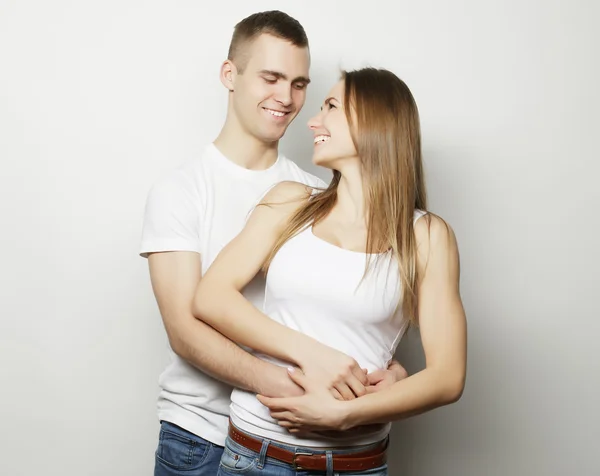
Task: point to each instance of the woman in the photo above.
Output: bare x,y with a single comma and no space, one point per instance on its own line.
348,269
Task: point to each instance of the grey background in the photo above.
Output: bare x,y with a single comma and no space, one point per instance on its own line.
99,99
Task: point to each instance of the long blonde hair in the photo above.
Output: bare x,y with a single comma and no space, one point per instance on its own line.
387,138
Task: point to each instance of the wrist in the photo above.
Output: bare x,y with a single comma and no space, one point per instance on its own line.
301,349
295,354
270,380
349,414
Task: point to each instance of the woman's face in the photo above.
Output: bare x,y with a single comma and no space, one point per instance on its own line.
332,140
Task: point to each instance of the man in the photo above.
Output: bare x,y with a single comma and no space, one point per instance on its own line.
194,212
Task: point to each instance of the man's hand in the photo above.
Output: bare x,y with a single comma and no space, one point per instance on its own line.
382,379
281,385
286,387
336,371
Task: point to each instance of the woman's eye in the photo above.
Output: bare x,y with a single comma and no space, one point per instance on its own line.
331,106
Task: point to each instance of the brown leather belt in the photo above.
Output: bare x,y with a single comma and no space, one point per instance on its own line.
359,461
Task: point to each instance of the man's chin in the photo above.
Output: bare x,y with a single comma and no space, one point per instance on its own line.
272,136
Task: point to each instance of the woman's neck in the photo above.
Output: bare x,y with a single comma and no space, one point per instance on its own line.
350,205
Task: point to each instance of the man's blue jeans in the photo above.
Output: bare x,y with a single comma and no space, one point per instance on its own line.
180,453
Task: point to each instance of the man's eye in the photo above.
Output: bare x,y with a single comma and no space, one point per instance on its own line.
300,85
270,80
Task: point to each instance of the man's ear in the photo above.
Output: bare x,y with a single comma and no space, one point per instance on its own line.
228,74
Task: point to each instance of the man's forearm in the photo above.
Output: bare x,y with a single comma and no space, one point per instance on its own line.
214,354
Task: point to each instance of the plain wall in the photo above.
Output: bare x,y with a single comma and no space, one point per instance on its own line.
100,99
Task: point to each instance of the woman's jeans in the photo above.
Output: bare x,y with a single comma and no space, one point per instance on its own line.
238,460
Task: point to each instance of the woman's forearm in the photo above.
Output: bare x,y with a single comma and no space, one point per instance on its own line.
232,315
443,330
421,392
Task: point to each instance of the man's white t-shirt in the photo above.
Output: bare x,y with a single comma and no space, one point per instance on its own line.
200,207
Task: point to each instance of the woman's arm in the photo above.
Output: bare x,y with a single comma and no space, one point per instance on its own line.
444,337
219,302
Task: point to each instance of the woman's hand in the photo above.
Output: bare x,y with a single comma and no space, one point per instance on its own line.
383,379
316,410
320,409
334,371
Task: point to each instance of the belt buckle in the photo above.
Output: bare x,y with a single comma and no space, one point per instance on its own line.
294,464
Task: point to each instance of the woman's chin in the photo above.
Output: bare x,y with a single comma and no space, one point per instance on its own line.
322,161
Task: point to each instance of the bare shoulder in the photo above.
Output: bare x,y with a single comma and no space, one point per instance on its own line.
279,204
435,239
432,230
287,192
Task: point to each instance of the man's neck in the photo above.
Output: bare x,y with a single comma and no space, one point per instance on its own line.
245,150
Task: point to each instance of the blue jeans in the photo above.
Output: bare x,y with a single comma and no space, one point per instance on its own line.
181,453
238,460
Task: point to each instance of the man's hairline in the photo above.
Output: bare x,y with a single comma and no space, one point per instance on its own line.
251,41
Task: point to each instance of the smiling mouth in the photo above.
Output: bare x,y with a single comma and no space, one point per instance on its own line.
275,113
321,139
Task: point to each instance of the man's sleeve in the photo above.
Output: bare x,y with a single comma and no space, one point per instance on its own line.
317,182
320,183
171,218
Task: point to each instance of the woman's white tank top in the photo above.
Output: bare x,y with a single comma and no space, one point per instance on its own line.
317,288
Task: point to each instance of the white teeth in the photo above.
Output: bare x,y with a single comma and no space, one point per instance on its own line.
319,139
276,113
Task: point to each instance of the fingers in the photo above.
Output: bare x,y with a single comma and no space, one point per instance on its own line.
357,386
351,389
376,377
337,395
393,363
286,424
360,375
290,422
274,404
298,377
301,432
399,372
297,429
284,417
345,391
352,384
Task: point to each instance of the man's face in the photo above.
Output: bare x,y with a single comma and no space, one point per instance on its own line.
271,90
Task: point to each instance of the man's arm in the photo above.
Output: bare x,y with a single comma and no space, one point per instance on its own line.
175,276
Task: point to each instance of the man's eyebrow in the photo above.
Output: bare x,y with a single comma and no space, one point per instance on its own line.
278,75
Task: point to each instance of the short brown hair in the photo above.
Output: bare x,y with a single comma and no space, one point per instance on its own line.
272,22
